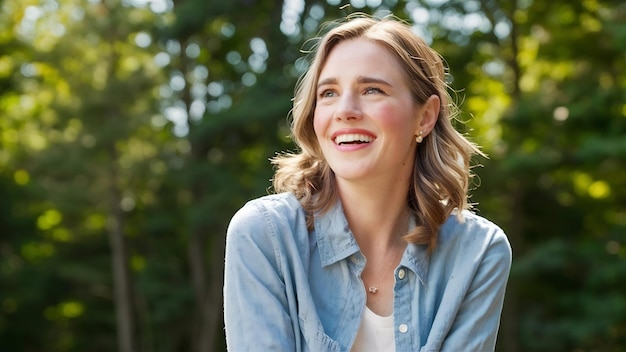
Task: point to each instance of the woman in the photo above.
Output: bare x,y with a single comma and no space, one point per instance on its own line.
368,244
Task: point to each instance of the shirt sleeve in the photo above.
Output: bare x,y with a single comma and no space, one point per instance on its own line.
256,308
475,327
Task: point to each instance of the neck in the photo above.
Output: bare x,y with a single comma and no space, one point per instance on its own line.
378,216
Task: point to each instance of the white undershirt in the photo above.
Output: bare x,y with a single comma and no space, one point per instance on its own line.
375,333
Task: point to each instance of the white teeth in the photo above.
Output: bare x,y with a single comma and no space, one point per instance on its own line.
352,137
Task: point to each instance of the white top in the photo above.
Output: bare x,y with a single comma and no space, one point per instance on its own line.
375,333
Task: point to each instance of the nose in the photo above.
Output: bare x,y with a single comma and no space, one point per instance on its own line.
348,108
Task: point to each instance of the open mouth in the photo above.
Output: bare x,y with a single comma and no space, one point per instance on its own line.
352,138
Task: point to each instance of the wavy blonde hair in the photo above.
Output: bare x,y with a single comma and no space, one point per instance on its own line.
441,169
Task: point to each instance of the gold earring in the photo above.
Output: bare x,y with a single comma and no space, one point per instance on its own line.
419,138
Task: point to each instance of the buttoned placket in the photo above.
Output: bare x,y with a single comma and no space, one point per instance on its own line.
404,327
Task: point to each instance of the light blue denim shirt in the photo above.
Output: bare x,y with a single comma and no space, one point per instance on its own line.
290,289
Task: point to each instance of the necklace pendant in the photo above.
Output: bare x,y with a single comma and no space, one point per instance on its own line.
372,289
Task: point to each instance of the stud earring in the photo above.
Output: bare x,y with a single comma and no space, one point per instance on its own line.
419,138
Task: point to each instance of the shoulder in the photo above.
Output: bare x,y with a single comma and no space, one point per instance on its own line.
267,209
472,232
267,215
271,229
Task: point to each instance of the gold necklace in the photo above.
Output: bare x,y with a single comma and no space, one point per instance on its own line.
374,288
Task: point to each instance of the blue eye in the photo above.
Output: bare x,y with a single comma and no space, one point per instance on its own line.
373,90
327,93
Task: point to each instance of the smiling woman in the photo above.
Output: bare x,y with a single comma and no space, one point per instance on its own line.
355,102
368,244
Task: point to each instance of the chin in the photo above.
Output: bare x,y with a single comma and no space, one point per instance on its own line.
349,175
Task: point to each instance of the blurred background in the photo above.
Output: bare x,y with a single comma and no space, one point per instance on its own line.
132,130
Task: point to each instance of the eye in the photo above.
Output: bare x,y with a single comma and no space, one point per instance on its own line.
373,90
327,93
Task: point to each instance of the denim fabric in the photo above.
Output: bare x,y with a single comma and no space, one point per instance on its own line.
290,289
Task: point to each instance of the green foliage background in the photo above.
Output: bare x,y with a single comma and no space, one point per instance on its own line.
132,130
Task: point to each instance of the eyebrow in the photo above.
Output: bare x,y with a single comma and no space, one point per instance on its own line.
361,79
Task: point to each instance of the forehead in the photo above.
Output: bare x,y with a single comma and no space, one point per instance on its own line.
360,54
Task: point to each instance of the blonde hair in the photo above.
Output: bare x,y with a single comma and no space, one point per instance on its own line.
441,169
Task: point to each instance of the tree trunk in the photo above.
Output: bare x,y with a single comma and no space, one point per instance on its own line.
197,265
509,335
207,287
203,335
508,340
119,257
214,302
121,276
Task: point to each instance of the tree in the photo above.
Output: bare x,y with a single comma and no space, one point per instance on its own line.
88,141
132,131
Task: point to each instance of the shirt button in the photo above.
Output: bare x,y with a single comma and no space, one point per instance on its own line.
403,328
401,274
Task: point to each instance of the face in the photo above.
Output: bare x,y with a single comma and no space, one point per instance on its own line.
365,118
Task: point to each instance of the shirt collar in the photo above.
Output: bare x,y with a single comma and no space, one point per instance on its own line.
417,258
334,238
336,242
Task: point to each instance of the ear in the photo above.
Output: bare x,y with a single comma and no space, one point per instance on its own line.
428,115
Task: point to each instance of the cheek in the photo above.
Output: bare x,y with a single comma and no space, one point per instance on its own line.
319,123
397,119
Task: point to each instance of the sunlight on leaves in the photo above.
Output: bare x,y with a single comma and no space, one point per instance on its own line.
253,156
585,185
530,145
590,23
6,66
138,263
21,177
49,219
128,65
486,104
65,310
73,129
34,138
529,48
599,190
61,235
582,181
71,309
95,221
32,251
